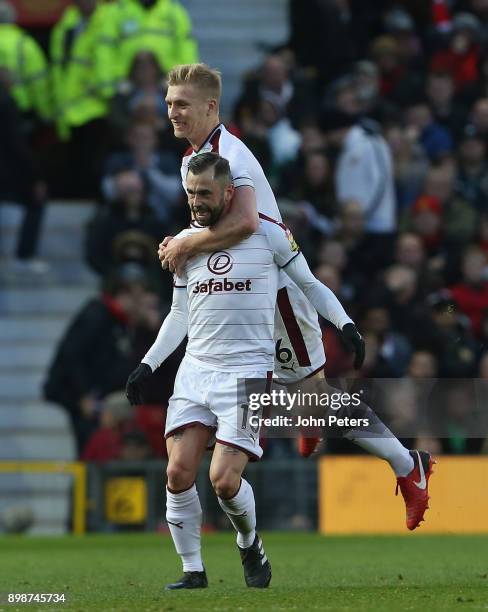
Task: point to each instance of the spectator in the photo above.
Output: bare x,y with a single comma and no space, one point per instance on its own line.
472,180
462,56
400,26
393,348
343,94
399,82
139,98
20,182
158,171
445,333
435,139
440,213
315,184
471,294
105,443
483,367
126,230
135,447
161,27
276,84
94,357
364,255
367,93
82,52
479,117
322,36
410,252
399,292
455,419
119,436
24,60
446,110
364,172
410,163
423,364
425,220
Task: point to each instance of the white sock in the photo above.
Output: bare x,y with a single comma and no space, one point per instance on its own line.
184,517
389,448
241,511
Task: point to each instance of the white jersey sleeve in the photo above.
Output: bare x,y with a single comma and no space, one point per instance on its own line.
288,257
172,333
241,177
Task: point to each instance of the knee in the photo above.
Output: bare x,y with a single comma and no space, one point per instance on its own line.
226,483
180,477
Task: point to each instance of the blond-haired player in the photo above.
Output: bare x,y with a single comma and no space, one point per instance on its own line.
193,97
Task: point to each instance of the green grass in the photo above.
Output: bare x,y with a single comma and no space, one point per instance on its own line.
310,572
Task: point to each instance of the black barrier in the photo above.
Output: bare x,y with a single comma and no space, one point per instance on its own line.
285,491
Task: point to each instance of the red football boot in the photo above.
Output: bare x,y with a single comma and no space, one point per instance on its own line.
307,446
415,488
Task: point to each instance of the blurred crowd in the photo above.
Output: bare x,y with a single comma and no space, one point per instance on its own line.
371,124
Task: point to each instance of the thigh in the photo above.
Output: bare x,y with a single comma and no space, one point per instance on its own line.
188,404
187,447
237,426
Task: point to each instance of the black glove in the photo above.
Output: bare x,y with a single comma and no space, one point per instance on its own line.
135,382
354,343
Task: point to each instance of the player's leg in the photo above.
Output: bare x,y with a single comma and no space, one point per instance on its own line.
300,350
234,493
412,468
299,353
183,510
189,427
237,440
236,498
308,444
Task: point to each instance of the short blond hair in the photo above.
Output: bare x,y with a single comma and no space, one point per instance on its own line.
200,75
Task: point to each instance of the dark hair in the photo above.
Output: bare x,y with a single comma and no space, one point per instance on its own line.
204,161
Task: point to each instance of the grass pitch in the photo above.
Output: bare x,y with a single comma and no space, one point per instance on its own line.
128,572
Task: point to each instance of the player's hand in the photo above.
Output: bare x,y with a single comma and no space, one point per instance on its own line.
354,343
175,255
135,383
162,248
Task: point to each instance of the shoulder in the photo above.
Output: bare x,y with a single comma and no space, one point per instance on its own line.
230,146
276,230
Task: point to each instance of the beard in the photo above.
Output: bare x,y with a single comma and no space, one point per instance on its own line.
211,215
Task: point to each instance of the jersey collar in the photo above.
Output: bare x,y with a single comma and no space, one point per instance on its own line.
207,143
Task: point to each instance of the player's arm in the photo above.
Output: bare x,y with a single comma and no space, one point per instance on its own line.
238,224
172,333
289,258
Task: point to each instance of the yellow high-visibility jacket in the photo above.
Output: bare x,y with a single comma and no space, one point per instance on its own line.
164,29
84,76
24,59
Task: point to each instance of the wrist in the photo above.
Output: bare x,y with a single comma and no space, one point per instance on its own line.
148,365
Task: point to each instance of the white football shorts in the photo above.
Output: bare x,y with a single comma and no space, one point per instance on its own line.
218,400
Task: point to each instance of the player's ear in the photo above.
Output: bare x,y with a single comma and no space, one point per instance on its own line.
212,106
229,192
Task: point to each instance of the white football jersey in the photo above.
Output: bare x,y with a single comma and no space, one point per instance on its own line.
232,298
298,336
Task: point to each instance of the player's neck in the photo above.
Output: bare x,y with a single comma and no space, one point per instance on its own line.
204,134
